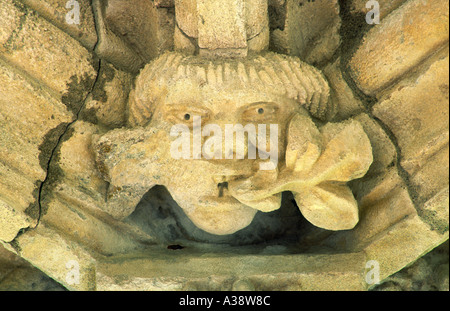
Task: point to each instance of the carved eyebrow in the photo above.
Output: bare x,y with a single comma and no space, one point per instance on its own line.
261,104
186,108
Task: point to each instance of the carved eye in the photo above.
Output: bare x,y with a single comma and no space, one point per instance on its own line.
260,112
185,115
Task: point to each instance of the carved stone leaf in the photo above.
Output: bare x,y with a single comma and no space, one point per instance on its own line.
329,205
304,143
347,155
318,182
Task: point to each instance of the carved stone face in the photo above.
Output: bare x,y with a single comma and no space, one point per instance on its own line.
200,186
221,194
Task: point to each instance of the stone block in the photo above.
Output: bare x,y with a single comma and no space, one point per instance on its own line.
34,44
8,262
56,11
170,271
310,30
184,43
417,113
432,177
384,152
164,3
217,30
36,106
435,211
383,201
111,47
386,7
74,194
30,124
228,28
399,43
60,166
106,105
144,26
61,259
347,103
187,17
28,278
256,18
400,245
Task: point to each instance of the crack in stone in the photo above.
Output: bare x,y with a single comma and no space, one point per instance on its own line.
405,176
192,40
67,126
368,101
60,138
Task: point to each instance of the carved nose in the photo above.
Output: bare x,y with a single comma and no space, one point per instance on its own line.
235,151
235,146
227,143
222,186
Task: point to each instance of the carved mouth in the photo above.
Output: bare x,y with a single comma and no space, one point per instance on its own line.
222,186
222,196
225,202
222,179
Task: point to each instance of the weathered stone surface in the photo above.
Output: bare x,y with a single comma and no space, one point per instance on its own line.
112,47
187,17
310,30
56,11
319,159
186,271
400,245
164,3
383,202
146,27
386,6
202,26
16,274
417,113
184,43
106,105
435,210
416,30
32,43
428,273
8,262
36,106
431,189
63,260
347,103
73,197
257,19
101,169
30,122
28,278
222,31
384,152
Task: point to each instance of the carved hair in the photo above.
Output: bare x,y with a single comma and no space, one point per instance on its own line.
283,75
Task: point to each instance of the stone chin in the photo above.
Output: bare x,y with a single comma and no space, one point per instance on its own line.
221,219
